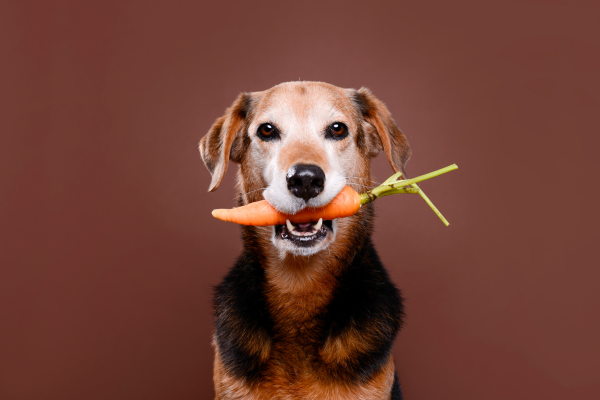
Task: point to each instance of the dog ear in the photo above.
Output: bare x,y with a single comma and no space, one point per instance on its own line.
223,142
380,130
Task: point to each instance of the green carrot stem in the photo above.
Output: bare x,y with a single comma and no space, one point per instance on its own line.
434,208
393,186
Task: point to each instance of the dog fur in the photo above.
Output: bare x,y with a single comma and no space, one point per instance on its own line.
312,322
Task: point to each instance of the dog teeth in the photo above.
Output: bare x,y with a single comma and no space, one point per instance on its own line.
318,225
292,230
289,225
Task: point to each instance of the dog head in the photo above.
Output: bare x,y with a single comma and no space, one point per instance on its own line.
298,144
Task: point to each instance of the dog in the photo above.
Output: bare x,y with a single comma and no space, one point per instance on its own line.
308,310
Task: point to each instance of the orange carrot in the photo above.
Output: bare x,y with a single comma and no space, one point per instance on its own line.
261,213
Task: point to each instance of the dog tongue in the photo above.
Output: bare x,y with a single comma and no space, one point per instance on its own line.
305,227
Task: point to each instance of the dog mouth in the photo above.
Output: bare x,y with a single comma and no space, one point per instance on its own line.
304,234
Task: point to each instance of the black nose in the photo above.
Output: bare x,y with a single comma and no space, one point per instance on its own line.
305,181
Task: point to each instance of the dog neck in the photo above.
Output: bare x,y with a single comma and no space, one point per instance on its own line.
298,288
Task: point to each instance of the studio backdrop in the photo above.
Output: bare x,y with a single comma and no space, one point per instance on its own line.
108,250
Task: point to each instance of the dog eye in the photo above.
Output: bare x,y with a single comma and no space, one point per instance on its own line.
336,131
267,132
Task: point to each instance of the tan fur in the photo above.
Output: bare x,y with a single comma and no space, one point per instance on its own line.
281,385
341,348
350,344
302,153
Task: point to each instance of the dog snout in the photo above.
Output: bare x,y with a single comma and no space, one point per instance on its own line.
305,181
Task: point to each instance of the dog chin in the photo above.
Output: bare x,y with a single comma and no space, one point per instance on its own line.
304,239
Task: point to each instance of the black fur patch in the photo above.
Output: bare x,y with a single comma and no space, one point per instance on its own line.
244,105
362,103
396,391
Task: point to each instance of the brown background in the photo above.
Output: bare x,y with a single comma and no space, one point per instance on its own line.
108,250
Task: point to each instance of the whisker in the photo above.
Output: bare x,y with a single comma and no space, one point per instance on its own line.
357,177
368,187
353,180
364,179
252,191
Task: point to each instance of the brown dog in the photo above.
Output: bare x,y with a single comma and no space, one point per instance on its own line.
308,311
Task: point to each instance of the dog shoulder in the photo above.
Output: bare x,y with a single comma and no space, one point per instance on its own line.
242,323
362,320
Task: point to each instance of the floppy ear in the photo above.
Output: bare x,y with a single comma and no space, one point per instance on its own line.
381,130
225,134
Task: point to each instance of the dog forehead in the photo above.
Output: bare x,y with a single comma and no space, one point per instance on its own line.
296,104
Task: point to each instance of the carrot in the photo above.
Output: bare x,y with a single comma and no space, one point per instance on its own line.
345,204
261,213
